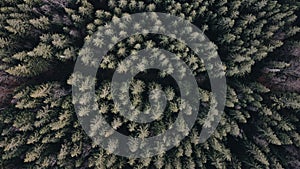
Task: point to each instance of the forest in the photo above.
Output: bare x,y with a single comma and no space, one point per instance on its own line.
41,41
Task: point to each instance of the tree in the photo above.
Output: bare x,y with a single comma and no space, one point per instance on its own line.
40,127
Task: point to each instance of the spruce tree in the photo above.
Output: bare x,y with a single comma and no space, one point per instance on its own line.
256,40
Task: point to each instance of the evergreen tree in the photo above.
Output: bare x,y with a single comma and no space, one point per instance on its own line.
39,127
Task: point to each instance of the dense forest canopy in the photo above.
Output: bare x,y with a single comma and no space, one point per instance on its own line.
257,41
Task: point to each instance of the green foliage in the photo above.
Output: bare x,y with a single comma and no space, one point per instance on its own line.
38,34
39,129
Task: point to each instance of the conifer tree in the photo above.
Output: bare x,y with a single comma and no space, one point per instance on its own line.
40,129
